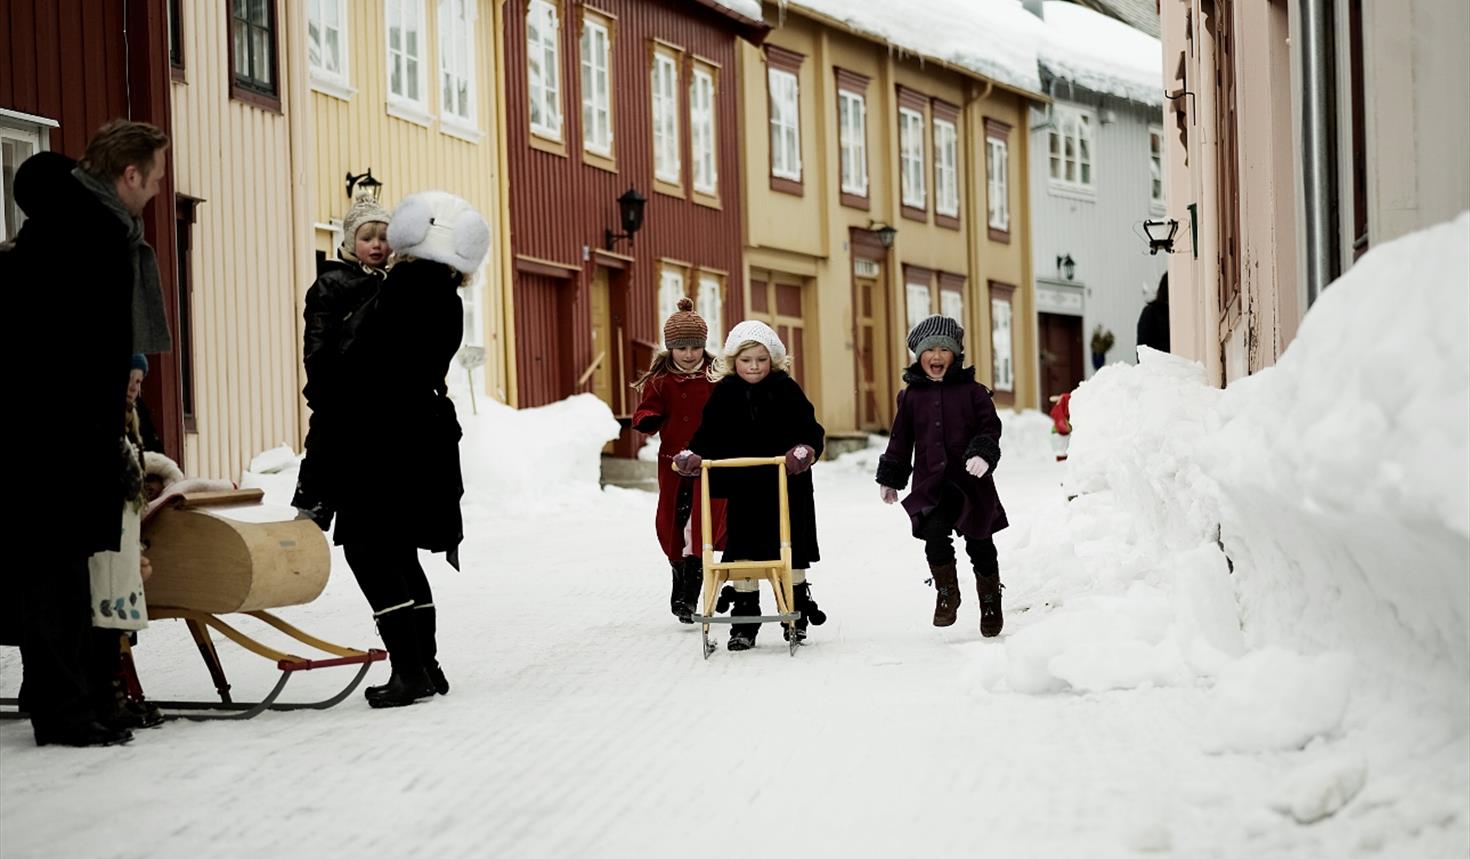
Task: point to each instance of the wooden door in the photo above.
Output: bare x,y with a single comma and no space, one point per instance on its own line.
603,348
541,369
872,369
776,300
1061,354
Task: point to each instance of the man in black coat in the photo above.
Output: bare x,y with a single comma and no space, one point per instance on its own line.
1153,321
80,274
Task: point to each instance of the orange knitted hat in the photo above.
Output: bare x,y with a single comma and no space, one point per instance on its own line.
685,327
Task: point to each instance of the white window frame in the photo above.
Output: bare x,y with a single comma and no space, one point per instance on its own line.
946,168
1003,369
703,145
400,104
338,82
852,141
543,49
915,294
1070,144
597,117
952,304
21,128
1156,167
664,86
997,183
671,288
785,99
911,157
457,48
711,306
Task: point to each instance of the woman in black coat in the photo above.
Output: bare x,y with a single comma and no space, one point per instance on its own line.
394,398
757,409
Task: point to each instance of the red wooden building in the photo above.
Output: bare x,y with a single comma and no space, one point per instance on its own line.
66,68
604,96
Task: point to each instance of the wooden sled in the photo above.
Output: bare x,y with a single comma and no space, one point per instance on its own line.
209,559
776,572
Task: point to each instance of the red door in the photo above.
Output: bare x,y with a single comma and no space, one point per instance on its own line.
1060,338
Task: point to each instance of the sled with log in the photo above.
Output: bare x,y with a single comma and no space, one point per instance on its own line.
776,572
223,552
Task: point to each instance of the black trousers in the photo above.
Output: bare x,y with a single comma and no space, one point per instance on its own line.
389,573
56,640
937,530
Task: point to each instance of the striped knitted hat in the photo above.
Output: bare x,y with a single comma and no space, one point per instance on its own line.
937,332
685,328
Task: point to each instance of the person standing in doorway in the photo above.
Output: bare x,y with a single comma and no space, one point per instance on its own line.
1153,320
80,256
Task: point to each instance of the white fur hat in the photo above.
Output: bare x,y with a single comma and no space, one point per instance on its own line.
753,330
438,226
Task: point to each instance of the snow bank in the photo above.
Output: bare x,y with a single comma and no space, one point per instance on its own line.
534,460
1102,54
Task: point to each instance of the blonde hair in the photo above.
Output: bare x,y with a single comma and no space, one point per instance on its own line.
725,364
663,365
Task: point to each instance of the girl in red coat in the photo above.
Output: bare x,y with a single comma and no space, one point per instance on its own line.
674,391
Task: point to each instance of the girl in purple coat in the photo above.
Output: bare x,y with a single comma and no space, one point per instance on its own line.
947,435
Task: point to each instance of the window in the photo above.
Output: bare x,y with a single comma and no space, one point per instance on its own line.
1003,373
184,219
670,290
1156,167
711,306
911,149
852,140
457,64
19,140
702,145
997,169
946,169
920,305
666,164
1071,148
176,39
474,324
543,69
597,135
406,86
326,46
952,304
253,51
785,126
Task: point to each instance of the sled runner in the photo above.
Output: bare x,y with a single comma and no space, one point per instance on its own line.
777,572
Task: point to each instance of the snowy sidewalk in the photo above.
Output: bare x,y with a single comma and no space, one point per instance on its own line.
584,722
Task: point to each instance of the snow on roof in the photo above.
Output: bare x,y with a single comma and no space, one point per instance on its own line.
749,8
1102,54
997,39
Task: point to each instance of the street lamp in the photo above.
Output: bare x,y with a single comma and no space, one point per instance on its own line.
364,182
1160,235
886,235
630,214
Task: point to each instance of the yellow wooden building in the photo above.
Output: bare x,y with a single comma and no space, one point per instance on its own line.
881,187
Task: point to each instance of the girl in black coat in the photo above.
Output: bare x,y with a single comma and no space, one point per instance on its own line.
394,397
947,435
757,409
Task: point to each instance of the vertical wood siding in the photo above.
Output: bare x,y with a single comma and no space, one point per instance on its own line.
561,205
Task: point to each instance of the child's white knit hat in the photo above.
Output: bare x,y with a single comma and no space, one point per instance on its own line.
439,226
753,330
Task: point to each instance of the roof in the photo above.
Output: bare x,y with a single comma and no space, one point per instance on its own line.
1138,14
1102,54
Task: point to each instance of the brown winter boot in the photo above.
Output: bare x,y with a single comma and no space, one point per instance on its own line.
992,620
947,595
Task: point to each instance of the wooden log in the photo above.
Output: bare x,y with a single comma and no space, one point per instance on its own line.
206,561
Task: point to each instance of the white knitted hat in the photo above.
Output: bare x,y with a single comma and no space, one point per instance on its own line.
438,226
365,210
753,330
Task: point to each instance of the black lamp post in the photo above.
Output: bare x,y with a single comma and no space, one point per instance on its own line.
364,182
630,214
1160,235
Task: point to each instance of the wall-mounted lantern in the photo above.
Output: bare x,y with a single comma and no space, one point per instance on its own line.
1066,266
630,215
364,182
1160,234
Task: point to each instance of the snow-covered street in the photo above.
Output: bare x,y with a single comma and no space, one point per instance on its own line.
1245,636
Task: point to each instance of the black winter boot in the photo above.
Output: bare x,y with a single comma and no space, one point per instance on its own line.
742,635
992,620
676,593
426,624
408,682
693,583
808,609
947,594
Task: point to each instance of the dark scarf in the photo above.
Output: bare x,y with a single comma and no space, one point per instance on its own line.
150,325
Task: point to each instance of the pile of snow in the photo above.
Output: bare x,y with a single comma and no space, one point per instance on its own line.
749,8
995,38
1025,436
1102,54
1298,543
534,460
